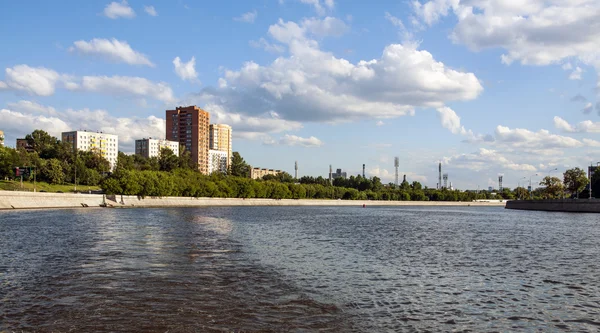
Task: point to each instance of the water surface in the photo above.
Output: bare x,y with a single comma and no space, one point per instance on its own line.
300,269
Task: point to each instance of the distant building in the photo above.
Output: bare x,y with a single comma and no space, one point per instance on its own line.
338,173
190,127
220,139
151,147
258,173
1,139
107,145
490,189
217,161
23,144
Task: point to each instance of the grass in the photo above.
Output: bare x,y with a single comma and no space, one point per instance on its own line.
9,185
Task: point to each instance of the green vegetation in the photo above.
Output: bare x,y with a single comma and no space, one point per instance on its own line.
15,185
56,167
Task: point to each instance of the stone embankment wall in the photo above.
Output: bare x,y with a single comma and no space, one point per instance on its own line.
30,200
561,205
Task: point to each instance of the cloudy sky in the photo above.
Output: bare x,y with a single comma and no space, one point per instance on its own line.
486,87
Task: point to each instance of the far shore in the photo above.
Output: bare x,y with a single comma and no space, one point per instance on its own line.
30,200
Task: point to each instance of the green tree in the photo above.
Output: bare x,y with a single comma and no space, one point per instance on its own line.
53,172
238,167
575,180
554,187
40,141
167,160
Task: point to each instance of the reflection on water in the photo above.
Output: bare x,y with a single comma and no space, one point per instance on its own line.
299,269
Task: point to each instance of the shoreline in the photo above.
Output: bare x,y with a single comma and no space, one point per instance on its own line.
11,200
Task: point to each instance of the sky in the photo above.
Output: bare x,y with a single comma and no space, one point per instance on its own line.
487,88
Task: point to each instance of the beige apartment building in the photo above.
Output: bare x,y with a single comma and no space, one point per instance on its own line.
107,145
220,139
258,173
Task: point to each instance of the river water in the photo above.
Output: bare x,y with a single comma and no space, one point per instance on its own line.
299,269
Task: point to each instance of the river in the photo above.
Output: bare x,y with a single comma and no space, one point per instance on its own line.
299,269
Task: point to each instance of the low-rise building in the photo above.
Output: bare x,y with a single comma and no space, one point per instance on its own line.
107,145
217,161
339,173
151,147
258,173
23,144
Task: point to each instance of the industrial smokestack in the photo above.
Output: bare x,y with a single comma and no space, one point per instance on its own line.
363,170
296,170
330,171
396,165
440,176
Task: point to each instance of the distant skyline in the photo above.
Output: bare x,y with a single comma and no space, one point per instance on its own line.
486,87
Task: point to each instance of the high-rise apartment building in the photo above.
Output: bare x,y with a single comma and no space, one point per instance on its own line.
151,147
1,139
107,145
220,139
190,126
217,161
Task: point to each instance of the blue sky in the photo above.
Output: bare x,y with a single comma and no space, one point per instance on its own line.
497,87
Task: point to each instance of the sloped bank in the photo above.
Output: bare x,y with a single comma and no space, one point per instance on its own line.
30,200
559,205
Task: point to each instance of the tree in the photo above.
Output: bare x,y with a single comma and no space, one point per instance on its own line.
554,187
41,141
575,180
238,167
167,160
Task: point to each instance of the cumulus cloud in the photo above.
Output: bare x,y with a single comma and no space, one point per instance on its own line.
293,140
586,126
112,50
450,120
576,74
532,32
589,107
379,123
115,10
33,108
126,86
485,159
312,84
248,17
321,6
150,10
20,120
542,139
269,47
186,70
32,80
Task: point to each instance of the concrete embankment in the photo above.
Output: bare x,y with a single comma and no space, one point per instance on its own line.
561,205
30,200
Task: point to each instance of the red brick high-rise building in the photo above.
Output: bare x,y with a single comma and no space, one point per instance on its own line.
190,127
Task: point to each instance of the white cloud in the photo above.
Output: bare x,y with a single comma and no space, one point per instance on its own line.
150,10
485,159
450,120
586,126
127,86
404,33
269,47
379,123
186,70
531,31
20,121
293,140
248,17
542,139
329,26
576,74
567,66
389,176
29,107
320,6
312,84
113,50
33,80
114,10
588,108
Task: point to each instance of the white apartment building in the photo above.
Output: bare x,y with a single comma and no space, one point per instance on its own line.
107,145
220,139
151,147
217,161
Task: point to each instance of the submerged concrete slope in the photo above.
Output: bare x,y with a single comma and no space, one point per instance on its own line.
559,205
30,200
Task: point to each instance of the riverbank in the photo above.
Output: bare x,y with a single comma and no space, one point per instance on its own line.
558,205
31,200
